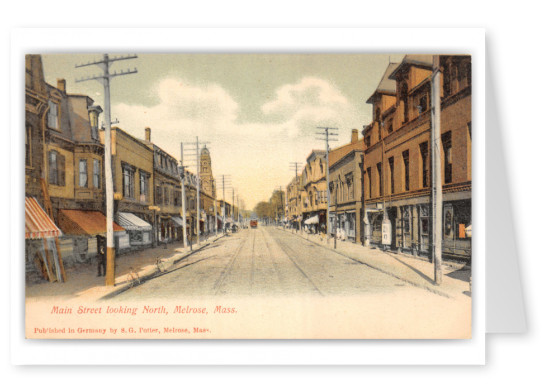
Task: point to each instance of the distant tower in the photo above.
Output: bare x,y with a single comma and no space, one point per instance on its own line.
207,179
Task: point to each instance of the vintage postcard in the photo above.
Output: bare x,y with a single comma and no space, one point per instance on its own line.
248,196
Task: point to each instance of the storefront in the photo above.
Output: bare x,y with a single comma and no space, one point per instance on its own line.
80,227
140,232
411,225
178,223
42,256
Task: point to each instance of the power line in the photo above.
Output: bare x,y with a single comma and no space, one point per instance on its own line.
105,79
328,138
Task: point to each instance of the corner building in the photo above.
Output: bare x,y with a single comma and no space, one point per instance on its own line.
397,156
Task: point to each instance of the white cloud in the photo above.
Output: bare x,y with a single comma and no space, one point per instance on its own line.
264,146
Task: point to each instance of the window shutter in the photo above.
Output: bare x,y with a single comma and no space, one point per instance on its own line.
61,169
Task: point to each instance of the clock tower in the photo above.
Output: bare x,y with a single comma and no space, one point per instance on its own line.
205,173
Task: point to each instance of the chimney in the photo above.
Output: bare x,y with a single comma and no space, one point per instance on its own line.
148,134
354,135
61,84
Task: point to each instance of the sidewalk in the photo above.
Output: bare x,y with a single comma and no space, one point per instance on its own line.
417,272
82,281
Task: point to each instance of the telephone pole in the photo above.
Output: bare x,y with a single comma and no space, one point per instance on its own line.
436,173
212,183
193,151
183,178
105,79
328,137
225,180
294,166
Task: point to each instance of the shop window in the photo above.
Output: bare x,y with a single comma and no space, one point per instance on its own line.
83,173
424,152
462,219
378,222
97,173
128,182
391,169
53,121
56,169
448,222
406,219
405,158
447,146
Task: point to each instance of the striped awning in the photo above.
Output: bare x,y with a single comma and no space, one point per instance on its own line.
131,222
38,224
84,222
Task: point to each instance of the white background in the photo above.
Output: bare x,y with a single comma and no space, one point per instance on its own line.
519,56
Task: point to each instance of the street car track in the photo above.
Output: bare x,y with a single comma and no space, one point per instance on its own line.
287,250
229,266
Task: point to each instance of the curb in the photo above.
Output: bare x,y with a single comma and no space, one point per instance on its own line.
413,283
155,272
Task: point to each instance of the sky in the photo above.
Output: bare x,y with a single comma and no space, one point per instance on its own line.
258,112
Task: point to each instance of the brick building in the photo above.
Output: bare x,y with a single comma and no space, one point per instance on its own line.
314,191
345,181
397,156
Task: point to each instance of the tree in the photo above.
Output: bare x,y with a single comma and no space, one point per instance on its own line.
263,210
277,201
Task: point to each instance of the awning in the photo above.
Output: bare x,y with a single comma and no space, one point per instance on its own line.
38,224
312,220
131,222
84,222
178,221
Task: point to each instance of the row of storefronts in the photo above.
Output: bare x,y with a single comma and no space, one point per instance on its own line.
380,185
65,185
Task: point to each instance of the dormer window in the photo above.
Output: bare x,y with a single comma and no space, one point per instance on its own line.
93,114
53,111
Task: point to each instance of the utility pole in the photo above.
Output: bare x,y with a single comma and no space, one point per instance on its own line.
212,182
105,79
294,165
198,195
193,152
327,138
436,173
183,178
225,179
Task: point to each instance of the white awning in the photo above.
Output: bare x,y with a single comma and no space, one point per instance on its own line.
312,220
178,221
131,222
